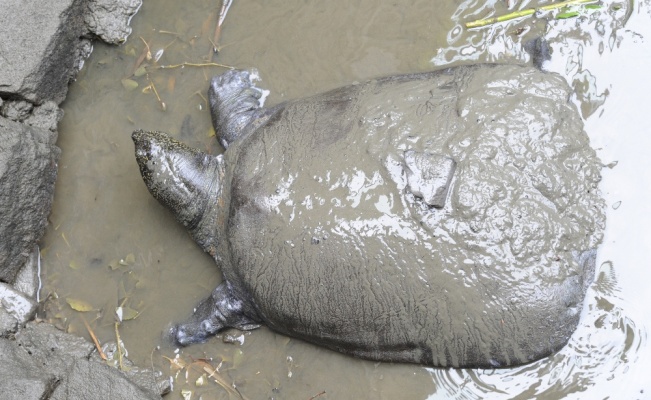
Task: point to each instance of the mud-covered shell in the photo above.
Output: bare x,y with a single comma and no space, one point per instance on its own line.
326,237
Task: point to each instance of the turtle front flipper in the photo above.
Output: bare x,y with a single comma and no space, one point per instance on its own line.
219,311
234,103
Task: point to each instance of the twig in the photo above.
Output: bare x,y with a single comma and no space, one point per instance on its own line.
215,376
226,4
202,97
153,87
524,13
187,64
92,336
119,341
148,53
63,235
317,395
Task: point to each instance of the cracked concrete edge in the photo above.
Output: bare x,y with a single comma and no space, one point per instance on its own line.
43,46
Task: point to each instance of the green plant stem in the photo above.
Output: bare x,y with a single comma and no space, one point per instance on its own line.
524,13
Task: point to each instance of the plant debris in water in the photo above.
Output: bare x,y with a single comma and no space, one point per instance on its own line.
147,62
205,371
565,13
79,305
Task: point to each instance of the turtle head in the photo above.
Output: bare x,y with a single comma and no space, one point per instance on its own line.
181,178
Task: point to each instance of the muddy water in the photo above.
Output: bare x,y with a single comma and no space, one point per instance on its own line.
111,244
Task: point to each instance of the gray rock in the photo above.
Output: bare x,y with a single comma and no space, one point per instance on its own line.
28,162
90,380
16,110
143,377
45,116
43,362
19,305
21,376
8,324
27,280
53,346
40,49
109,19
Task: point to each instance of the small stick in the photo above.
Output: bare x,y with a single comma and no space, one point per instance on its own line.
63,235
226,4
202,97
188,64
148,54
317,395
117,335
92,336
524,13
145,53
161,102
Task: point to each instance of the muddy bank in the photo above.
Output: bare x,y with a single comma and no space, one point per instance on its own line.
42,48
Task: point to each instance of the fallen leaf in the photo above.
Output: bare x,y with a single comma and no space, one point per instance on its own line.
130,258
140,71
129,84
79,305
176,363
125,313
114,264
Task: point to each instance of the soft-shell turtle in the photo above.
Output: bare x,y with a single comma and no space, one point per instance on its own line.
445,218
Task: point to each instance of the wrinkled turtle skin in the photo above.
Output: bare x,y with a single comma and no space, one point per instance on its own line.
447,218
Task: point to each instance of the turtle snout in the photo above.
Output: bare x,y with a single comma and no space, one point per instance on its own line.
143,142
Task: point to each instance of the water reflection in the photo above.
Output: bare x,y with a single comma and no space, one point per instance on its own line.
610,345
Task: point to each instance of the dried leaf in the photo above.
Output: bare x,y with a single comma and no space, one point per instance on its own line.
114,264
214,375
129,84
238,356
125,313
140,71
79,305
186,393
171,84
176,363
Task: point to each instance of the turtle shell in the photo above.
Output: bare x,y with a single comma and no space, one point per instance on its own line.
331,236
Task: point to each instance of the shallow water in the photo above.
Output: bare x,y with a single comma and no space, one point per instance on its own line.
111,244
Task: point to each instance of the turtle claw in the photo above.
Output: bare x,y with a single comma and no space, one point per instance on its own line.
234,103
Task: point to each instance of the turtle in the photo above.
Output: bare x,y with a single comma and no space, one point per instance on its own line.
448,218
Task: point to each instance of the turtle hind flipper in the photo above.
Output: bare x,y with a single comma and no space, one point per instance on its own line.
234,103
